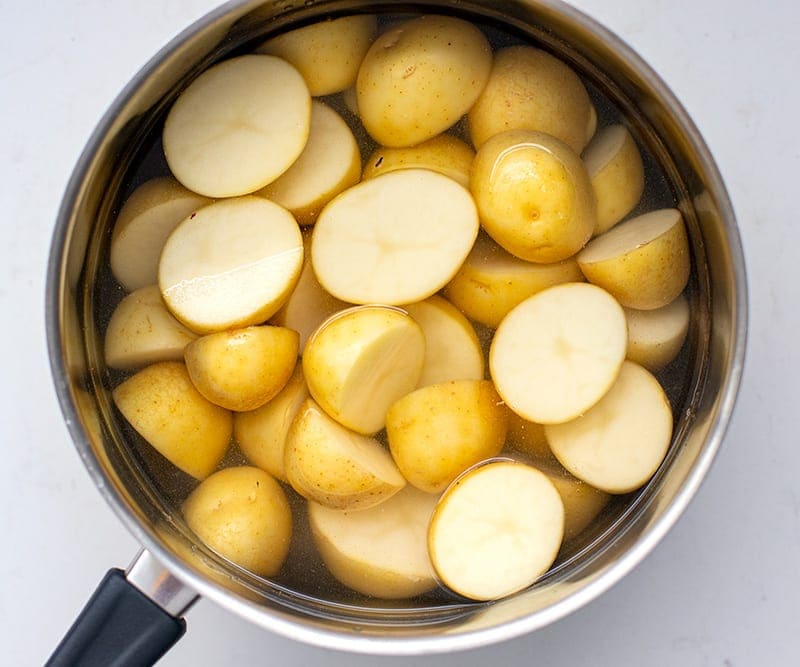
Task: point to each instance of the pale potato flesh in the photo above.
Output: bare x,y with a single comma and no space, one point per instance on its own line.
232,264
238,126
655,337
558,352
496,530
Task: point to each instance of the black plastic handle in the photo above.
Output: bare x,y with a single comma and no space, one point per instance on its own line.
119,627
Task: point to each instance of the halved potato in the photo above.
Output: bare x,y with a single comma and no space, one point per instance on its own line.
142,331
380,551
166,409
238,126
496,530
643,262
528,437
656,336
327,463
231,264
618,444
145,221
558,352
362,360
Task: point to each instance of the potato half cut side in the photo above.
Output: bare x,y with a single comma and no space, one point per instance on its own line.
496,530
644,262
238,126
655,337
232,264
381,551
619,443
327,463
558,352
394,239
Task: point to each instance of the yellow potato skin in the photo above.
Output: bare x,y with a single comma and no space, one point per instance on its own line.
437,432
582,501
242,513
528,437
163,405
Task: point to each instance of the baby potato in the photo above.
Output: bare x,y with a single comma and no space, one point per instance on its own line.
380,551
327,54
528,437
529,89
327,463
444,153
418,78
329,164
166,409
142,331
145,221
533,195
616,171
242,513
241,369
362,360
656,336
437,432
492,281
643,262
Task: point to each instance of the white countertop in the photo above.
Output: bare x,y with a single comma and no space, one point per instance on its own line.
722,587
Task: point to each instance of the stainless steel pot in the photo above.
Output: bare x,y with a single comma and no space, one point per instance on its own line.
174,568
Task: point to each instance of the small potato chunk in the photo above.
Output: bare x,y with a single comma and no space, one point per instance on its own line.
452,348
238,126
381,551
533,195
418,78
620,442
146,220
361,361
444,153
496,530
242,513
261,433
142,331
656,336
616,171
327,54
394,239
166,409
232,264
529,89
643,262
558,352
335,467
241,369
528,437
492,281
437,432
329,164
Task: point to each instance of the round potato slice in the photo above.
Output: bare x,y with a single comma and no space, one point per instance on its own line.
146,220
656,336
558,352
529,89
533,195
142,331
232,264
643,262
418,78
528,437
452,348
394,239
335,467
619,443
616,171
496,530
329,164
242,513
166,409
238,126
241,369
362,360
492,281
327,54
380,551
437,432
